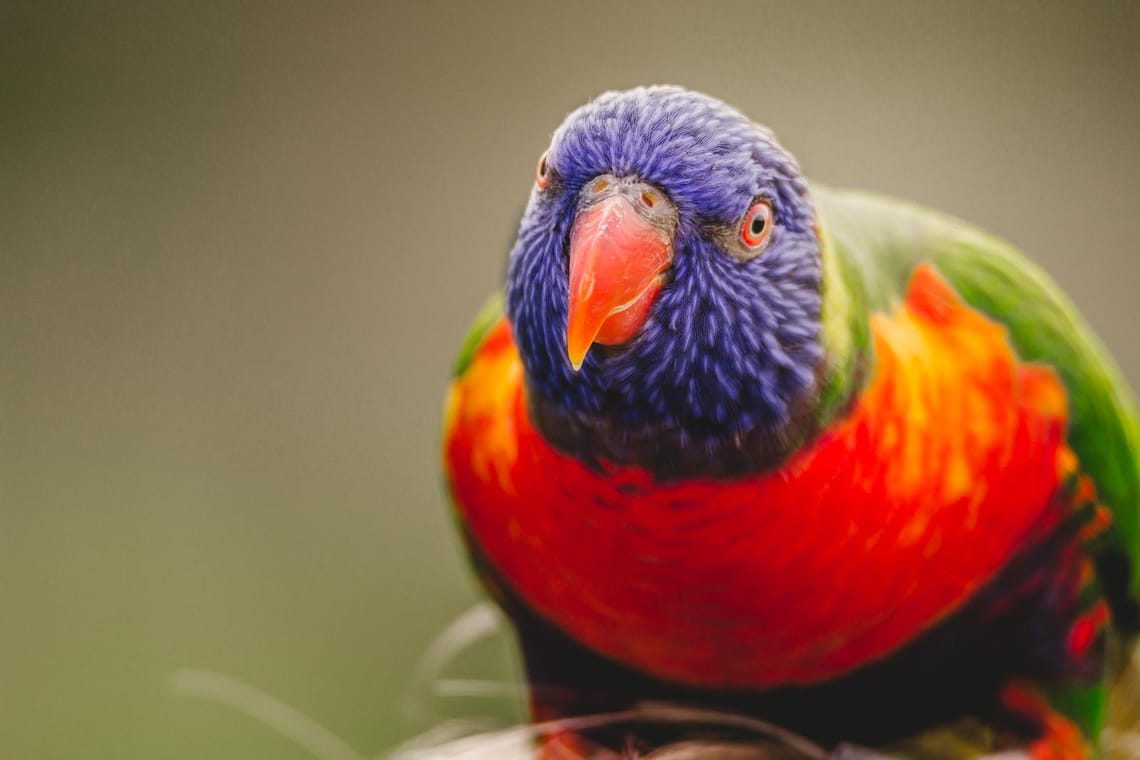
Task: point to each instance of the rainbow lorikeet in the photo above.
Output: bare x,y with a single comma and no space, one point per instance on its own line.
736,440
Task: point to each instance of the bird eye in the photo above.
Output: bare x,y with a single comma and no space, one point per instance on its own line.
756,228
542,173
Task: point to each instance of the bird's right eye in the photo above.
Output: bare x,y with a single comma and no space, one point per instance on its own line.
756,228
542,173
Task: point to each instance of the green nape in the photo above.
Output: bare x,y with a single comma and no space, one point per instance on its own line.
846,329
489,313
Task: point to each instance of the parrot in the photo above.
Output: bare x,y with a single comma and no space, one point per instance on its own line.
732,439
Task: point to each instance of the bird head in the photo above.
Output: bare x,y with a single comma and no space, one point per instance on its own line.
665,286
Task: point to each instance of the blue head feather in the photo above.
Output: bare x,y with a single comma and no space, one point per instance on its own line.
719,379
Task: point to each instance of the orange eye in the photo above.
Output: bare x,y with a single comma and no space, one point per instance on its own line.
756,228
542,173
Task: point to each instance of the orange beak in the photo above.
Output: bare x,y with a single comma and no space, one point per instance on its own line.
618,261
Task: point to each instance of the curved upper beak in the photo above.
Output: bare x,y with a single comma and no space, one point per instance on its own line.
621,247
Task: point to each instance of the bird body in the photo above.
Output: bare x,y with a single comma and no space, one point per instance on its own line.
820,456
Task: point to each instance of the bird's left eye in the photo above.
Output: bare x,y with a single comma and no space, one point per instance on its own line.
542,173
756,228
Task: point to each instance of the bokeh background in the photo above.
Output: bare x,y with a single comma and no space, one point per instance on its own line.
241,242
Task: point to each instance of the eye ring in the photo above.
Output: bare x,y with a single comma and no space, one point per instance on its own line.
756,227
542,172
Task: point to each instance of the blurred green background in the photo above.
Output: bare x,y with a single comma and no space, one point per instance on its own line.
241,242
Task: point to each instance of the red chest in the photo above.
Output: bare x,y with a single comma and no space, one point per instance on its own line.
885,525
